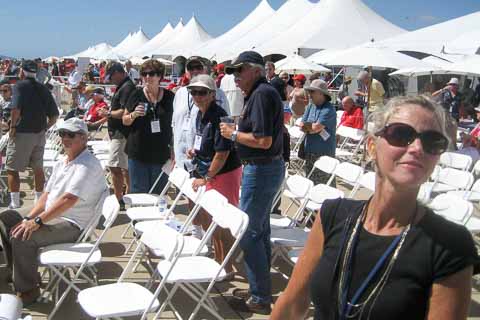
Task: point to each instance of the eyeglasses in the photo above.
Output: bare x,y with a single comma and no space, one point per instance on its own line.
195,67
68,134
150,73
201,93
402,135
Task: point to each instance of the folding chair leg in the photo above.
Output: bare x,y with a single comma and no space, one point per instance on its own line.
124,234
167,300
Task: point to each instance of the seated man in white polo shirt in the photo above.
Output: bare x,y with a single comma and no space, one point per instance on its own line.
62,212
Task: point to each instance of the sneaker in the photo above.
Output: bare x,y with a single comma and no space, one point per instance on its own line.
29,297
13,206
241,293
250,306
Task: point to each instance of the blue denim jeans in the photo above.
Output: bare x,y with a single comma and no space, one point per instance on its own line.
143,176
260,183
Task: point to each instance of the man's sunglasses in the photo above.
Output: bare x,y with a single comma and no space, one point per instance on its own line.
402,135
195,67
151,74
201,93
67,134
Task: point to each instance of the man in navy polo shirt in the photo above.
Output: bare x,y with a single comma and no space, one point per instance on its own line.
259,143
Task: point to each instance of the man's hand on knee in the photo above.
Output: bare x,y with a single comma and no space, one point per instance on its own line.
23,231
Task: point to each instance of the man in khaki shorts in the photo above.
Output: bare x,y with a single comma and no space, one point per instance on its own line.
118,160
33,111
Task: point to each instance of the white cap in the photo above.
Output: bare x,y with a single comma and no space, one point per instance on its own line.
73,125
204,81
453,81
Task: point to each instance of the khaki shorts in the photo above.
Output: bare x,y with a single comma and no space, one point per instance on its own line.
117,158
25,150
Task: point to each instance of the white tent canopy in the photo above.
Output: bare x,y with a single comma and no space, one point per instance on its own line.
123,43
296,64
440,37
469,65
192,36
101,51
131,44
217,46
280,22
332,24
375,57
160,39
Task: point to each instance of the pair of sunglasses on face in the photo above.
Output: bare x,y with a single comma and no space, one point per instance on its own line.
402,135
198,92
150,73
68,134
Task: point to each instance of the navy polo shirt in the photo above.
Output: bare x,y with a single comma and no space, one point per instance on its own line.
327,116
208,127
279,85
262,116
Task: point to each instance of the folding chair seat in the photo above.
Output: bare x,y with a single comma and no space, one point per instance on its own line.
290,237
455,160
150,199
296,188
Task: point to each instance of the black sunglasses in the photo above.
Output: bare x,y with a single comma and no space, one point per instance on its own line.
402,135
150,73
68,134
201,93
195,67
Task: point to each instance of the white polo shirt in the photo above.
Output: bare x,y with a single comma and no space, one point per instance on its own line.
83,177
183,122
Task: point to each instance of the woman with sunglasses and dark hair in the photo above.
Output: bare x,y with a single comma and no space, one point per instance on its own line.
389,257
148,113
217,163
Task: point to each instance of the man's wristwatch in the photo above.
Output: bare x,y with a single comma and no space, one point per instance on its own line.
207,177
234,136
38,221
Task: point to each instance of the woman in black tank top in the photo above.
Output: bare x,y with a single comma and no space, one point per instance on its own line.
389,257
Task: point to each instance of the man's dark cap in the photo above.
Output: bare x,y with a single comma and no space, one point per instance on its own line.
112,68
244,57
29,66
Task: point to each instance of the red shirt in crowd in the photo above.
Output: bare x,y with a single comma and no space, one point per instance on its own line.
92,115
352,119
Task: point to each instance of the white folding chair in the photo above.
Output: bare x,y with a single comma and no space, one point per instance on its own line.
447,179
296,189
349,174
77,256
123,299
455,160
350,143
190,272
297,137
367,181
176,178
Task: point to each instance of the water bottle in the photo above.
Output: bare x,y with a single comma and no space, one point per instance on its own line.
162,205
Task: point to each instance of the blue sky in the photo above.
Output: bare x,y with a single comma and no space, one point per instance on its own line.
31,28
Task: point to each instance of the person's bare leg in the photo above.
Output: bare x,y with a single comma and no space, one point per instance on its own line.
117,180
39,176
13,180
127,181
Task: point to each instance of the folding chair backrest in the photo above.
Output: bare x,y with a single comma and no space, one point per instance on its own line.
191,194
3,142
299,185
367,180
326,164
476,186
476,168
452,207
435,173
457,178
232,218
351,133
295,133
317,193
213,201
178,177
349,172
455,160
110,210
92,224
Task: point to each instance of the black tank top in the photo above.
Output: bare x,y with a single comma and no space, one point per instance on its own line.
433,249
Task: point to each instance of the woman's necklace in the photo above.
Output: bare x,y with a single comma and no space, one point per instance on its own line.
352,309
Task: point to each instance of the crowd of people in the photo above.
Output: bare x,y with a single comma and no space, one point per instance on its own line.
225,125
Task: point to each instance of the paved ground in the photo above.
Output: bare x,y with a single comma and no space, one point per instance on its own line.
114,260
